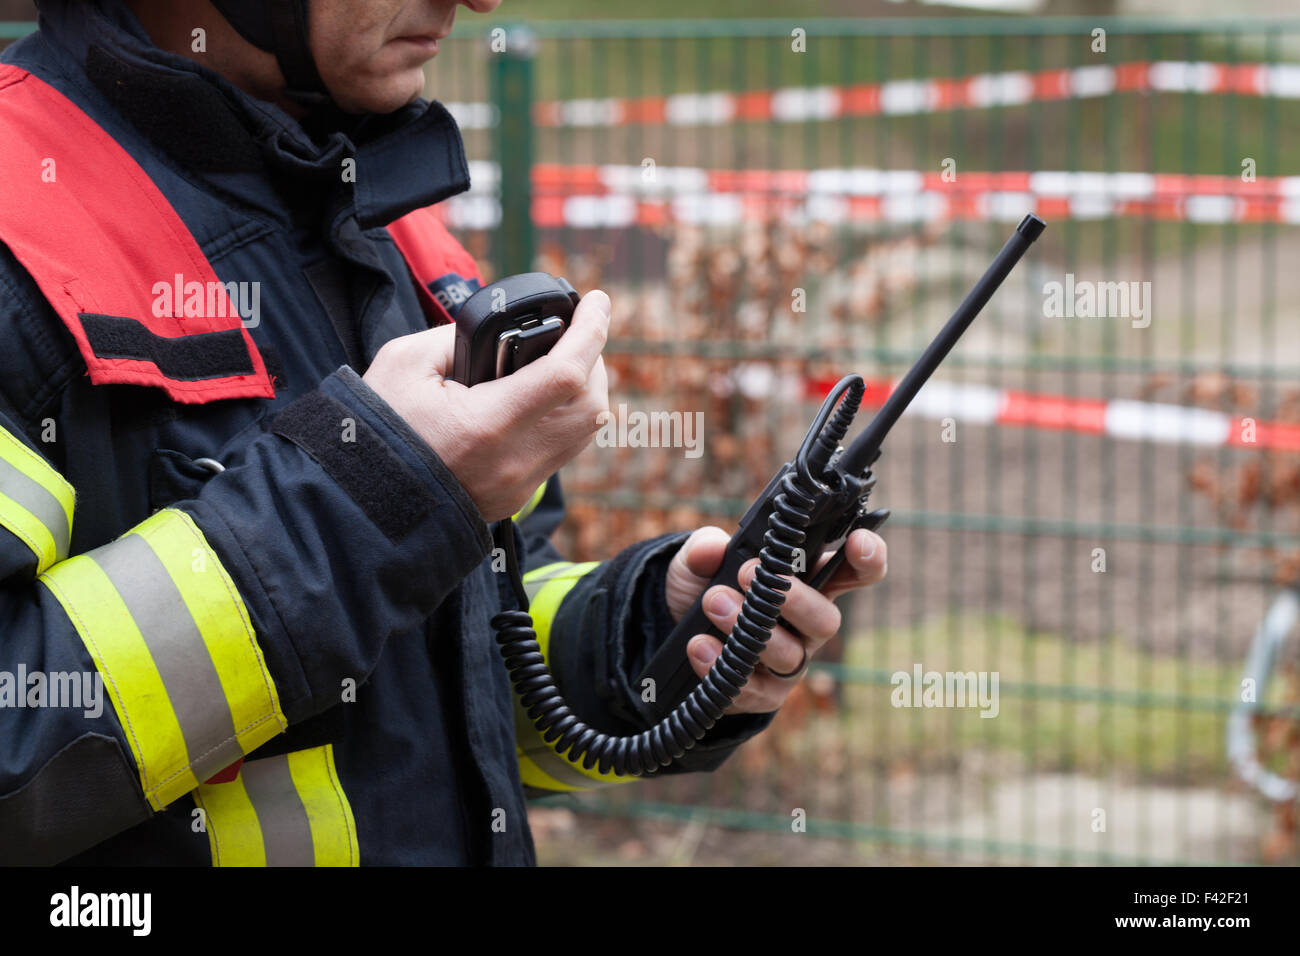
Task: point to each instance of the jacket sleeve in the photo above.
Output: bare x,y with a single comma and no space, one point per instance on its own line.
598,624
216,623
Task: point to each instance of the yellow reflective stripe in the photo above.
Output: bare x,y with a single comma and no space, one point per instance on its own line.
547,602
33,533
532,504
333,829
167,629
534,579
223,621
36,502
540,765
297,813
38,470
546,570
234,835
534,776
134,685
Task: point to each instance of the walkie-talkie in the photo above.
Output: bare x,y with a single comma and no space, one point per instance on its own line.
811,506
838,483
506,325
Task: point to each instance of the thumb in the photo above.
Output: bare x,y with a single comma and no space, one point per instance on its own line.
440,341
692,567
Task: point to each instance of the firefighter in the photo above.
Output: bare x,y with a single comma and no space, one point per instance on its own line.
241,507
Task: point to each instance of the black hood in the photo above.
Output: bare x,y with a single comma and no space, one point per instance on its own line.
282,27
207,125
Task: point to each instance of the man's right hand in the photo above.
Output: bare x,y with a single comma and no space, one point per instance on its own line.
501,439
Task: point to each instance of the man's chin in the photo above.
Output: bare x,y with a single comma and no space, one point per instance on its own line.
382,96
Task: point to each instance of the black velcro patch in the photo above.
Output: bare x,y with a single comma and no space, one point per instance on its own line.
366,468
184,113
187,358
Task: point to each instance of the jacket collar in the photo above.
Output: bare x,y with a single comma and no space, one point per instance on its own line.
404,161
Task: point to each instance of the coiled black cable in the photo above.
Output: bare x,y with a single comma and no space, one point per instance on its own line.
690,720
827,430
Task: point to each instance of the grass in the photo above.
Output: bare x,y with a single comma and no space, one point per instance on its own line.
1063,707
884,784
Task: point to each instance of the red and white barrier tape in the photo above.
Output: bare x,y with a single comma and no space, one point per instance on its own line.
612,196
1117,418
905,97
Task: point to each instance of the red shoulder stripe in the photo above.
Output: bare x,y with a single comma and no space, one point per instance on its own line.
432,254
102,241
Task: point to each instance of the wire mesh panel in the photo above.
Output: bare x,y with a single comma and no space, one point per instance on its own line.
1095,503
1085,650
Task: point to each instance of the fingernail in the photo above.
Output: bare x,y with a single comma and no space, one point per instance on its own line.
722,605
704,652
601,301
869,546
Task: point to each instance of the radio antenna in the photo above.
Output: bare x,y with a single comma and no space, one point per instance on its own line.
859,456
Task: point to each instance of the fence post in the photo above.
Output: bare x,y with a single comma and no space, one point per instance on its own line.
14,30
513,50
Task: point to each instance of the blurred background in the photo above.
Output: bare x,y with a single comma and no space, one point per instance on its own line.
1104,514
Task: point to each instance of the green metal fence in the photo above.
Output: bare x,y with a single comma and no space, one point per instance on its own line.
773,204
1109,563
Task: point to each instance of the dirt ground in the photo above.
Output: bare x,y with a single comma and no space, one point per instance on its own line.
1045,819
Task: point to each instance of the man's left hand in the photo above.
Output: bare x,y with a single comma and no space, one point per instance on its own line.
813,614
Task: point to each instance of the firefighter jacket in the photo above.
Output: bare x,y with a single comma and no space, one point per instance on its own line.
245,608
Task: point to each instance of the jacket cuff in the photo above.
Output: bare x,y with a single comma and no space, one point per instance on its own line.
609,626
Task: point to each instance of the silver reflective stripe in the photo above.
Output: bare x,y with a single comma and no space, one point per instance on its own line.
42,505
286,829
178,652
548,761
534,581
